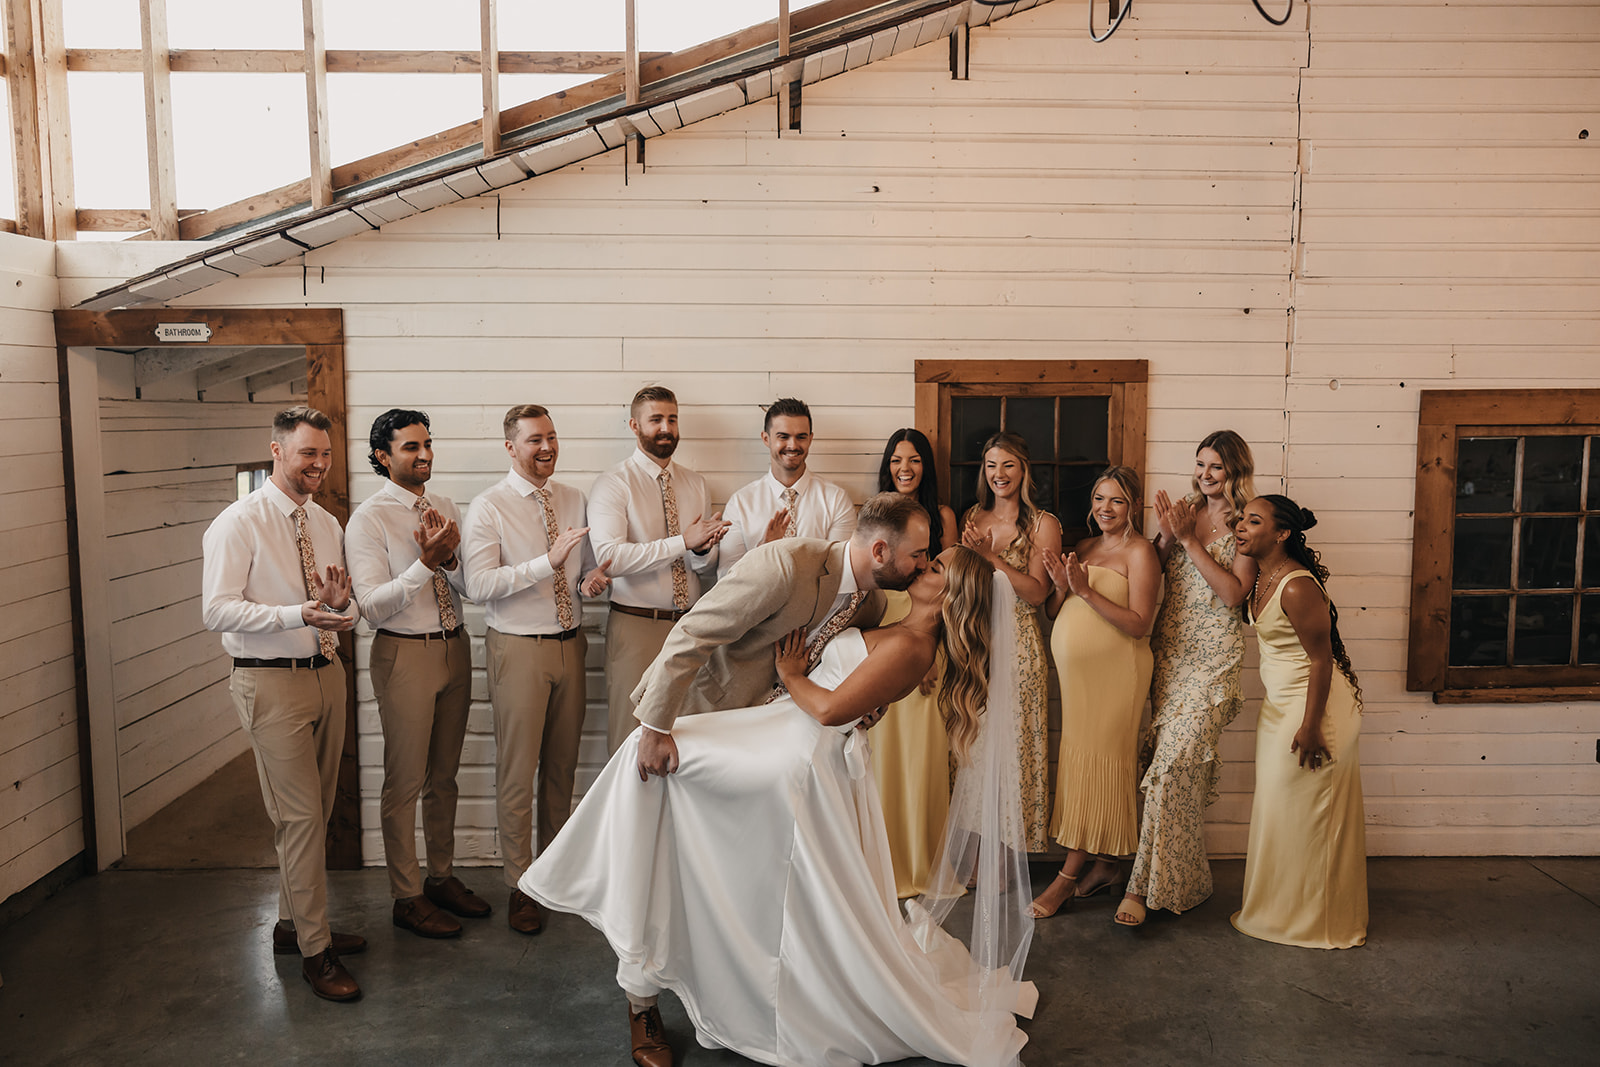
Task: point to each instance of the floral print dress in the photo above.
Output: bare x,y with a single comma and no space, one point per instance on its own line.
1195,693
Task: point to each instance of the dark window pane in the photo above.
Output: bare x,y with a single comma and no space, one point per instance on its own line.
1478,631
972,420
1591,553
1549,554
1485,468
1589,630
964,491
1076,487
1483,554
1543,631
1044,486
1594,474
1085,429
1551,470
1034,418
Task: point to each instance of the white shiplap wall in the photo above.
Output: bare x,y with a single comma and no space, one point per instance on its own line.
41,810
1374,193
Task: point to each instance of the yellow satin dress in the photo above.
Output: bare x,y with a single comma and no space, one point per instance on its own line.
911,762
1105,677
1305,875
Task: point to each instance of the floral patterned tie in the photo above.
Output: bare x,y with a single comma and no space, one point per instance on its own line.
441,586
680,573
564,616
327,642
830,629
791,501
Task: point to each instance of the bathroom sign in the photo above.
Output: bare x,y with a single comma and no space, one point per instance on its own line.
181,332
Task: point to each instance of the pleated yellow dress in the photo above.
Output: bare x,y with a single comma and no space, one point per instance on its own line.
911,762
1105,676
1305,875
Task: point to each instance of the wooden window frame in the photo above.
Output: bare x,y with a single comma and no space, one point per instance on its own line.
1444,418
1125,381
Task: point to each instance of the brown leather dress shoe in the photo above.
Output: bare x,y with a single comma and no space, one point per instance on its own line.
650,1047
418,915
451,895
329,980
524,913
284,943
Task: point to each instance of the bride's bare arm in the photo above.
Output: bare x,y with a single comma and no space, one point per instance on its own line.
895,663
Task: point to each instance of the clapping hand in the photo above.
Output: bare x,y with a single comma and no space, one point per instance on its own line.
569,539
596,581
702,535
1055,566
438,539
1180,520
331,587
777,526
981,543
1077,574
1163,509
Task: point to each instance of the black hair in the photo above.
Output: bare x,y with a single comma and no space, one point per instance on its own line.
1287,515
927,493
384,428
786,406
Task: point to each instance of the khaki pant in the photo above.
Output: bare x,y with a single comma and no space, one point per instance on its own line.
537,688
295,719
632,644
424,689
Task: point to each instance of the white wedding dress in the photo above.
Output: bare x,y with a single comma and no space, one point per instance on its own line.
755,883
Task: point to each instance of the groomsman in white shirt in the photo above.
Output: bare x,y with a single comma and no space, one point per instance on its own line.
273,584
401,543
524,547
789,501
651,520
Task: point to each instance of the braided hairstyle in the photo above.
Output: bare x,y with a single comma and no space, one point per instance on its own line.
1287,515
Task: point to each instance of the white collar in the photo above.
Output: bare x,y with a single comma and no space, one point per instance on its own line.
399,493
646,463
281,500
799,487
525,487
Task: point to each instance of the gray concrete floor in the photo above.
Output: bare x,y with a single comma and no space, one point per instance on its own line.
1483,961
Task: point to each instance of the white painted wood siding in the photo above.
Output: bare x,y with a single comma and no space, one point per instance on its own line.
1374,193
41,804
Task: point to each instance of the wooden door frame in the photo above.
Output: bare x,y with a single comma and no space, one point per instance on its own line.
321,332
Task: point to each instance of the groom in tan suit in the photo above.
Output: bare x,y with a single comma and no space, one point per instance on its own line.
721,654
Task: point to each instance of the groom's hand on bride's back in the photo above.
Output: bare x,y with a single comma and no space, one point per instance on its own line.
658,753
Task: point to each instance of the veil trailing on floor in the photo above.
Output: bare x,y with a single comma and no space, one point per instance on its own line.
985,845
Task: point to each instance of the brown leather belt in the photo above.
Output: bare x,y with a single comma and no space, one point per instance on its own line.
310,663
564,635
659,614
435,636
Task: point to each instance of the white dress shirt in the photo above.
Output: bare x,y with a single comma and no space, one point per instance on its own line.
252,584
628,527
506,554
825,512
394,586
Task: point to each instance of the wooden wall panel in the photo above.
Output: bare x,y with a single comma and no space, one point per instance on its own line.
1298,228
41,818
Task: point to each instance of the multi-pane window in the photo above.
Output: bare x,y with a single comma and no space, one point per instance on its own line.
1527,548
1506,551
1077,416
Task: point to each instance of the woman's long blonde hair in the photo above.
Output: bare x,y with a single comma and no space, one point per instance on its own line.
964,684
1238,472
1027,511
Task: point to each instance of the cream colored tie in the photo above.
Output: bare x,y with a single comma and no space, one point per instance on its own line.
441,586
564,616
791,501
680,573
830,629
327,642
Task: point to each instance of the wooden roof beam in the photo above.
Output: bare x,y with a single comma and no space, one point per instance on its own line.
158,121
56,116
250,362
27,133
489,64
345,61
316,68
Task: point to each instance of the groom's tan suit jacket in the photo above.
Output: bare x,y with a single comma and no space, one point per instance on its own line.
721,654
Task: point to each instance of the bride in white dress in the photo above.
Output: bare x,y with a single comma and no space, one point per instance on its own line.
756,884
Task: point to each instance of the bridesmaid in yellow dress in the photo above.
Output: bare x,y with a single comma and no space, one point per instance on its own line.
1305,874
910,747
1008,529
1196,692
1104,603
